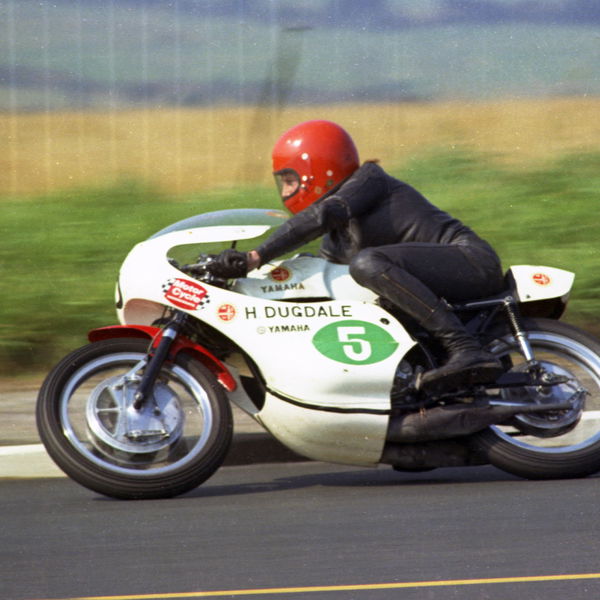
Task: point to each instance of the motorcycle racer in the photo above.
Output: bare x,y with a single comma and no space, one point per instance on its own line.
394,240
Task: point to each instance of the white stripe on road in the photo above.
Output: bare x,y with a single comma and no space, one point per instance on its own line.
27,449
37,448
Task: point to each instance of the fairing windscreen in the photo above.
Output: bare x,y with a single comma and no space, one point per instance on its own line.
240,216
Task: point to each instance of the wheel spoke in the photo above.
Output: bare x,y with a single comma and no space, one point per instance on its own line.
119,411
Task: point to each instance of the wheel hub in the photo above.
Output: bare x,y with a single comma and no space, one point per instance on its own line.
113,421
552,422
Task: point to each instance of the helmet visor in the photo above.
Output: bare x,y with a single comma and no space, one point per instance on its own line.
288,183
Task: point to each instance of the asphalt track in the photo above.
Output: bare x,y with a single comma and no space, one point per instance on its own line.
271,525
307,530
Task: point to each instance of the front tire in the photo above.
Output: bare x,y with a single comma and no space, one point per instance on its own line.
89,428
574,450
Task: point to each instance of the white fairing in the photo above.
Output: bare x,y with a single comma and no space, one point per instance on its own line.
280,335
327,352
352,438
332,360
302,277
541,283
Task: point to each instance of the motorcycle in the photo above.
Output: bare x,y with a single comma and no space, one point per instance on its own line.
330,370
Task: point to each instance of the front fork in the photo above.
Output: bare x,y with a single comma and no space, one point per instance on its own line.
157,357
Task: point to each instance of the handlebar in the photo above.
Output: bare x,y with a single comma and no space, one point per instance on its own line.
201,270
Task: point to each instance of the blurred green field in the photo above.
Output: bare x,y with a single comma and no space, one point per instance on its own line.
61,250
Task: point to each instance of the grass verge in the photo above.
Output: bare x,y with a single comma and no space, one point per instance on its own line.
62,251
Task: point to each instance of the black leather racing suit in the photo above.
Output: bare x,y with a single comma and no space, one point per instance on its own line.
396,242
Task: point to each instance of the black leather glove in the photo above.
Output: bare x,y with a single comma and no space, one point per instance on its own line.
229,264
333,213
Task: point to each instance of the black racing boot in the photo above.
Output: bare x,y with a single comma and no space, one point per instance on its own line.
468,363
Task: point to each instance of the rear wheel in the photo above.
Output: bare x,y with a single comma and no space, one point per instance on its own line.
90,429
552,444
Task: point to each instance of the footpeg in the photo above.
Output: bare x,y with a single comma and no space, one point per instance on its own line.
405,391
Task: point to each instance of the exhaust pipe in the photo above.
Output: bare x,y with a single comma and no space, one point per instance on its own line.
455,420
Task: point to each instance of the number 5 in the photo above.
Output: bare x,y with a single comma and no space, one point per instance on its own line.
354,348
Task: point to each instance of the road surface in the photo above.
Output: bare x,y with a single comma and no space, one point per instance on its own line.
307,530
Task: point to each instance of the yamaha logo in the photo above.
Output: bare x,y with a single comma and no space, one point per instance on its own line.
226,312
280,274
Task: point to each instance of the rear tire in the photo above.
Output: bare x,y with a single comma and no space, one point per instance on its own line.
86,422
563,349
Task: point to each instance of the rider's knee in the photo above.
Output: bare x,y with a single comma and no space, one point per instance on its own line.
366,264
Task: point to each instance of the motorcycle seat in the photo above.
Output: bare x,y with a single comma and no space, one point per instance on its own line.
509,290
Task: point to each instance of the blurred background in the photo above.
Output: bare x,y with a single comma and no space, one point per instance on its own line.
118,117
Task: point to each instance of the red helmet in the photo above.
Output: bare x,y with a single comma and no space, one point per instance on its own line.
310,159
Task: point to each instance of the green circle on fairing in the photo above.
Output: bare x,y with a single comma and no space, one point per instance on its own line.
354,342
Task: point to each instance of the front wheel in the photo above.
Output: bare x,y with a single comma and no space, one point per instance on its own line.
87,422
559,444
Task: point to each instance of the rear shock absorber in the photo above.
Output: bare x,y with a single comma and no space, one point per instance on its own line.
519,333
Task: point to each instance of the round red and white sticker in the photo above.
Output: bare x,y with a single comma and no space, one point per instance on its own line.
280,274
541,279
226,312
